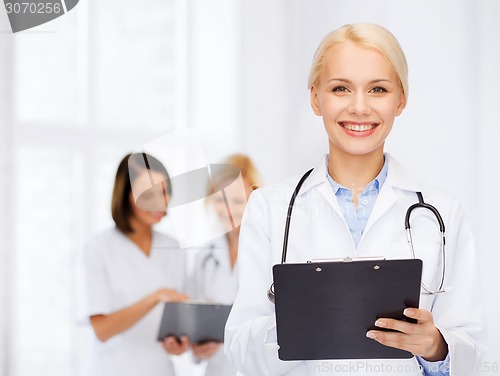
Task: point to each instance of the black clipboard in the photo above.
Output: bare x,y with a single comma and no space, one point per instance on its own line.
201,322
324,309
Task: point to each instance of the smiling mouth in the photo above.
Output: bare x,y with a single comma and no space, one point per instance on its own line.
358,127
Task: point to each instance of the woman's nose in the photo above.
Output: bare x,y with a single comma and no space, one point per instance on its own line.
359,105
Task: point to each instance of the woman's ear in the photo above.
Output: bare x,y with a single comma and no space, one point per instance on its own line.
315,101
401,103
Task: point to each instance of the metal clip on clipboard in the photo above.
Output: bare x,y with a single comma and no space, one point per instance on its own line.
347,259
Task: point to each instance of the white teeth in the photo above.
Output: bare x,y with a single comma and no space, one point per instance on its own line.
358,128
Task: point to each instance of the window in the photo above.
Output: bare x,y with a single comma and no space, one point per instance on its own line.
89,87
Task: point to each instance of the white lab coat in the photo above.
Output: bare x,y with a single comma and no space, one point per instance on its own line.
215,280
318,230
113,274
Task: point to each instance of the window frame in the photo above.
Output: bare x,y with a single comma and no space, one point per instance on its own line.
81,136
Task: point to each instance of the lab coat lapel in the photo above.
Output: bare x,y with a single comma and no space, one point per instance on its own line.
327,192
397,180
318,180
386,199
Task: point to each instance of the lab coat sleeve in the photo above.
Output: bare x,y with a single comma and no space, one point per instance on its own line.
94,295
460,314
194,287
250,336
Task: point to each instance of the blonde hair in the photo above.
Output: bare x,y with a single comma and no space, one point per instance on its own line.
364,35
247,167
232,166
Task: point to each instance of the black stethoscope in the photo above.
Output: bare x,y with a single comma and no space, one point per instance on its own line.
419,204
209,257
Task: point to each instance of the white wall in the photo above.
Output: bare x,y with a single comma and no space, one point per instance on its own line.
213,106
446,135
486,123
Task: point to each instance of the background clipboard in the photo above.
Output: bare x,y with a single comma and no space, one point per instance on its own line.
199,321
323,310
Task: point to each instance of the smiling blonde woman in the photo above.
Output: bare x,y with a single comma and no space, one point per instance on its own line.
353,204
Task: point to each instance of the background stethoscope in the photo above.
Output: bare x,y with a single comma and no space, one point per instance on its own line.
209,257
419,204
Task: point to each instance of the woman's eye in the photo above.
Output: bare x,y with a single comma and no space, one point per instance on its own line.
340,89
378,89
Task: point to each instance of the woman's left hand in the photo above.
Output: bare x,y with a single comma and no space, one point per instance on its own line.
174,347
421,339
205,350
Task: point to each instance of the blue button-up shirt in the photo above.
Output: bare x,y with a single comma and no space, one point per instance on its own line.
356,219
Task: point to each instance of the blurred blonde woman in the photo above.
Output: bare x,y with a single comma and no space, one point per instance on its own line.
215,277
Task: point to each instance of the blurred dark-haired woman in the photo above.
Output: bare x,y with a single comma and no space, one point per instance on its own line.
127,271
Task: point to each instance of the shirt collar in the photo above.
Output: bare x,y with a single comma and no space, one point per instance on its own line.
378,182
396,176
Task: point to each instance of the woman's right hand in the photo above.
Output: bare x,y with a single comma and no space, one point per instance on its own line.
169,296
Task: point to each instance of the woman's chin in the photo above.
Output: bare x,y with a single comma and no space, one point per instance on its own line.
155,218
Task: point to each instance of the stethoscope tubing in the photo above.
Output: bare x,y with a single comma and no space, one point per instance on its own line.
420,204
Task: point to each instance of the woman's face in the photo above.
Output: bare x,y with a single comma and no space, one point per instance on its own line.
231,213
358,96
151,205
